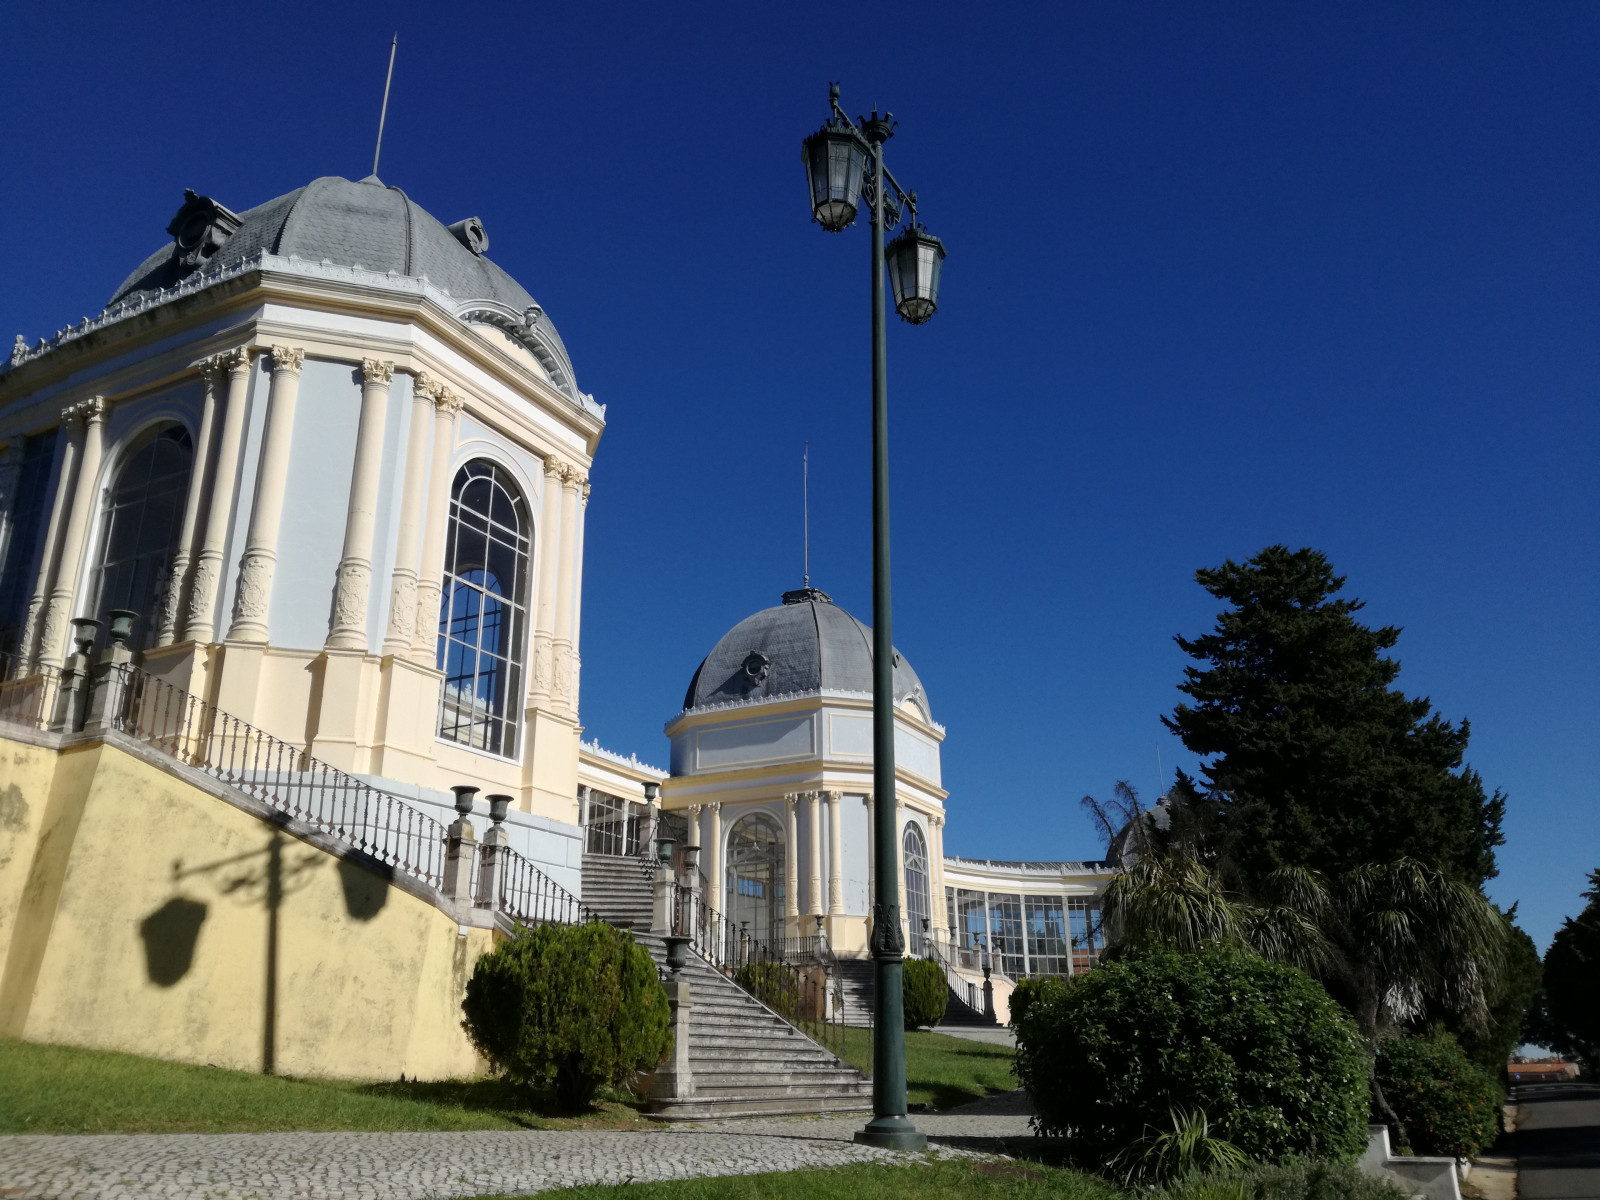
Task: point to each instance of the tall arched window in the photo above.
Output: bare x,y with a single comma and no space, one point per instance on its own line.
755,880
142,522
917,904
483,612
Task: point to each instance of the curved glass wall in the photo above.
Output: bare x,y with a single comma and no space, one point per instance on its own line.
141,523
918,913
483,613
1025,935
755,880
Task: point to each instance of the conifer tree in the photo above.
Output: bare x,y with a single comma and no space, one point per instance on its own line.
1312,758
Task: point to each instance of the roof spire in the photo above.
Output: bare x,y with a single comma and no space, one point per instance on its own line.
805,501
384,112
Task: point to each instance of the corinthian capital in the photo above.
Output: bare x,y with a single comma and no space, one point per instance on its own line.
573,477
235,362
87,412
377,370
424,384
287,360
446,401
554,467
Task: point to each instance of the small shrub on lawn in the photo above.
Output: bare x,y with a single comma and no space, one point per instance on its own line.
1260,1048
1027,990
1450,1106
568,1008
926,992
1297,1181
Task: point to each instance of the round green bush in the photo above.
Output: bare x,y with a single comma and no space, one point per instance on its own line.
568,1008
1032,987
926,992
1261,1049
1449,1105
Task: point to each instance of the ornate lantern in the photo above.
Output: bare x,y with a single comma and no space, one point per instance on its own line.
835,159
916,260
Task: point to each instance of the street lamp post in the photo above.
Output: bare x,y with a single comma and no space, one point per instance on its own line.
844,160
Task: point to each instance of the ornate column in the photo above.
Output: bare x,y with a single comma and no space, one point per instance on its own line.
814,848
349,630
900,861
939,915
402,629
28,652
713,843
572,481
199,618
577,601
544,612
254,591
791,859
63,592
835,857
172,593
430,581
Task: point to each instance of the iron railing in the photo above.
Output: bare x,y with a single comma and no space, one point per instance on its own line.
528,895
31,699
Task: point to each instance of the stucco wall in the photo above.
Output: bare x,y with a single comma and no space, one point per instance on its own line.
144,914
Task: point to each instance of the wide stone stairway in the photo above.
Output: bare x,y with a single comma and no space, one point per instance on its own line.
855,974
747,1060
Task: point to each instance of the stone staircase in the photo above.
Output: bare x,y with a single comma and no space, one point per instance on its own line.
747,1060
616,889
855,975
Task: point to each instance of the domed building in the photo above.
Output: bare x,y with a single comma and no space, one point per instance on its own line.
336,461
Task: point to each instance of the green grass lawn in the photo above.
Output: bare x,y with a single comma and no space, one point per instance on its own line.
63,1089
947,1180
941,1071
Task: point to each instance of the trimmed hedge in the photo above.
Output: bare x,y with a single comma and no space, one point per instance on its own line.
568,1008
925,992
1449,1104
1261,1049
1032,987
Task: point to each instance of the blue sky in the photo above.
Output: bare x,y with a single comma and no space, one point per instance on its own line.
1219,276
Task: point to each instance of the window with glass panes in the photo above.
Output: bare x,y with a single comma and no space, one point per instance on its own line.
1044,918
483,612
1005,934
1088,938
143,521
916,868
971,927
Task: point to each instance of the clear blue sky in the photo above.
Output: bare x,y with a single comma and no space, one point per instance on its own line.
1219,276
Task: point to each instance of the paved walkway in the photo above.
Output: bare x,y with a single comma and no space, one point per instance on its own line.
1558,1141
422,1166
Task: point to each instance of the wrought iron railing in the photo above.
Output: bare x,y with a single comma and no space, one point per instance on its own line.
528,895
31,700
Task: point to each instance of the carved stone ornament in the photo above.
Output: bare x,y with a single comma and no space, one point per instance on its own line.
53,617
350,596
402,607
200,228
429,594
541,663
287,360
254,590
202,591
19,350
448,402
30,623
554,467
376,370
791,801
563,672
167,606
235,362
424,384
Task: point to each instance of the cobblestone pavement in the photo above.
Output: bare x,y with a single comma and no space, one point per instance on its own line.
420,1166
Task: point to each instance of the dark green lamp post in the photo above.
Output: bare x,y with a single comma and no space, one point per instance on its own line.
844,165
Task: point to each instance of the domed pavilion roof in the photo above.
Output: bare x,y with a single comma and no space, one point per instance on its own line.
805,644
363,224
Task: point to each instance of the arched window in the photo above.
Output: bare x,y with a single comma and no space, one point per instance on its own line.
483,613
142,522
917,904
755,880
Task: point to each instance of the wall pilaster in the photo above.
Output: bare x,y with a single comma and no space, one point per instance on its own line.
200,615
814,848
711,852
193,503
402,627
352,586
835,857
430,582
572,481
253,593
791,860
63,592
544,615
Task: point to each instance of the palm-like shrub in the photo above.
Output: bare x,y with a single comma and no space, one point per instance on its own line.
926,992
568,1008
1274,1063
1449,1105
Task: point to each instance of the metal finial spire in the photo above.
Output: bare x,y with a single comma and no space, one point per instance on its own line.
805,494
384,112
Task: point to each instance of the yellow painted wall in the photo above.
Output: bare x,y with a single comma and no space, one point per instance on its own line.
146,915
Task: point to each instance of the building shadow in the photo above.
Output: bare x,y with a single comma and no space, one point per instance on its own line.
169,935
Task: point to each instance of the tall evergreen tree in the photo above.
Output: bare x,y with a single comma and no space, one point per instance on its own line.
1312,758
1570,1021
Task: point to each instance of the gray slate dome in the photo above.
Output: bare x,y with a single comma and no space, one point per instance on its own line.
806,643
351,224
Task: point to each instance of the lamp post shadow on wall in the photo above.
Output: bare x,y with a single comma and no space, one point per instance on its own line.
844,164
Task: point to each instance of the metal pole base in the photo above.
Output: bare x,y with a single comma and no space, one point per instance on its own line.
892,1133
